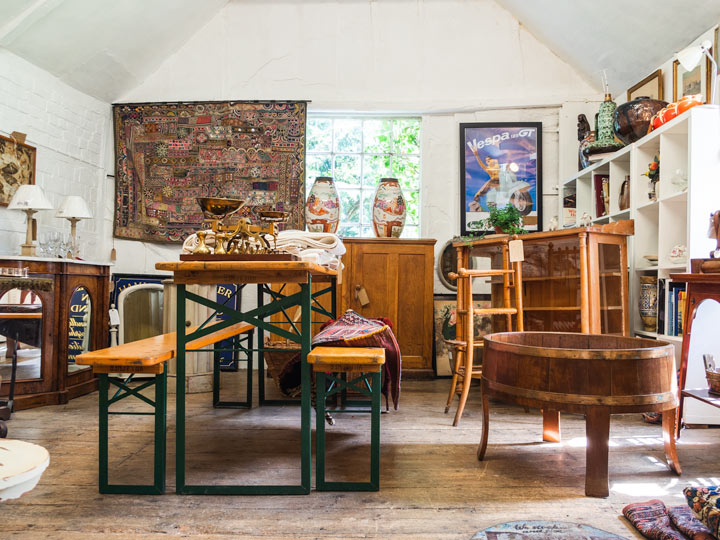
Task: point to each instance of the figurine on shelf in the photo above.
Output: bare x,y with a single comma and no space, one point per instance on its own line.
553,226
653,173
585,137
585,220
714,232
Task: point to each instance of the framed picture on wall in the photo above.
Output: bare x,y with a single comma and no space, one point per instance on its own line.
500,164
695,81
651,86
17,167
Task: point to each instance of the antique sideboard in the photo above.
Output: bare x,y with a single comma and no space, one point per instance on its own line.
74,319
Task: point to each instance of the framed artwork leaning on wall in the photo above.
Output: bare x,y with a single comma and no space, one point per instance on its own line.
500,164
17,167
695,81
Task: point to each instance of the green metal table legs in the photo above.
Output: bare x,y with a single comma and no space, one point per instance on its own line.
257,318
160,414
359,384
248,349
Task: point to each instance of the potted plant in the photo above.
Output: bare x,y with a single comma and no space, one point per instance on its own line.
505,220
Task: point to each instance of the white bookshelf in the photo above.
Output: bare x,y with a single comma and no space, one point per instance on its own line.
689,143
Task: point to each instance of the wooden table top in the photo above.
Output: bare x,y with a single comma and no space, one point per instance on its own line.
211,272
492,239
696,278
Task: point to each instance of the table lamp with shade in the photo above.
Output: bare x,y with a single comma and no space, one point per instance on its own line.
690,57
29,198
73,208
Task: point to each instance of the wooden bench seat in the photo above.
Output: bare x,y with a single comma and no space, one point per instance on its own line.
369,362
145,356
346,358
150,354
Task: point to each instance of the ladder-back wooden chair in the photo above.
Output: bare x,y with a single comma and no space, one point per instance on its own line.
466,346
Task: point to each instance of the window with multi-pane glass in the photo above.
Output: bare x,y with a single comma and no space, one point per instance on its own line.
357,153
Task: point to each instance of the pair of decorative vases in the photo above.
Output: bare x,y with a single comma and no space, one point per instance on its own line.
322,210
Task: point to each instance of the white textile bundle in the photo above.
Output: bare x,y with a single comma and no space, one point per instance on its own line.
321,248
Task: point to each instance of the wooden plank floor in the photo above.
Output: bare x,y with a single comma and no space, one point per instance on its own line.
432,486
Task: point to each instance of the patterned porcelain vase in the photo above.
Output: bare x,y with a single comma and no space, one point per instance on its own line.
389,209
322,210
648,302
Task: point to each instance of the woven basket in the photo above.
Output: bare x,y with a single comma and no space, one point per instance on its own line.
713,379
278,359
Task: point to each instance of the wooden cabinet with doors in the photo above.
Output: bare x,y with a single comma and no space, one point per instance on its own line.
74,319
393,278
574,280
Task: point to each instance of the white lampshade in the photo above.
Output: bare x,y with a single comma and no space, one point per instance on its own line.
29,197
690,56
73,207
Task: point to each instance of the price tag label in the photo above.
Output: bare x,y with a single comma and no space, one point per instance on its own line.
517,254
363,297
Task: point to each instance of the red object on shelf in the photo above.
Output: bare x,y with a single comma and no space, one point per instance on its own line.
688,102
675,109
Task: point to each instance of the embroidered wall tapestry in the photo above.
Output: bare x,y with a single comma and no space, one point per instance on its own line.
168,154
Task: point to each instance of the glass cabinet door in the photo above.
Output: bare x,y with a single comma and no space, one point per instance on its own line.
21,333
612,288
79,327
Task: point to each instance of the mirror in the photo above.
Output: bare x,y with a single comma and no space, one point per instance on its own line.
703,340
79,327
21,314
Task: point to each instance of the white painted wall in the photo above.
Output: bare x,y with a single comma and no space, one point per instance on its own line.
449,61
68,128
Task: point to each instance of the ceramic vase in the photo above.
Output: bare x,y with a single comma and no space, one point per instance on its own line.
389,209
604,133
648,302
322,209
632,119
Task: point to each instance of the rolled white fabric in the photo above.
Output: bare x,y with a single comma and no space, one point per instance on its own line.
321,248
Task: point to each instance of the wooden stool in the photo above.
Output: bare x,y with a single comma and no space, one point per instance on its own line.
369,362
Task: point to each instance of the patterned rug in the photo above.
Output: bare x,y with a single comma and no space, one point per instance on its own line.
543,530
168,154
354,330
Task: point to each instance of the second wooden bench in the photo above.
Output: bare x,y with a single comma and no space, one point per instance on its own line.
146,356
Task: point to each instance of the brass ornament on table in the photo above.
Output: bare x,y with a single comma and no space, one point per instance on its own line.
242,238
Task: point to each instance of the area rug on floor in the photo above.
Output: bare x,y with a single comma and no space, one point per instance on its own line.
542,530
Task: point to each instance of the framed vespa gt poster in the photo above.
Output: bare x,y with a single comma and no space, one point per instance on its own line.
500,164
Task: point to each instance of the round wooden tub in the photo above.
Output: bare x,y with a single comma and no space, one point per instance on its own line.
592,374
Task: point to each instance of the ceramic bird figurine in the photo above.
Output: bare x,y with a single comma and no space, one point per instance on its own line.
553,226
585,220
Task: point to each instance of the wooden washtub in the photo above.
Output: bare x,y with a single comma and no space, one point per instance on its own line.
592,374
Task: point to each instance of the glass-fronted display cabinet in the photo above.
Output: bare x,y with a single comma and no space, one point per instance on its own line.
574,280
46,319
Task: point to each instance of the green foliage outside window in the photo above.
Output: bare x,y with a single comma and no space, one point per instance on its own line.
357,152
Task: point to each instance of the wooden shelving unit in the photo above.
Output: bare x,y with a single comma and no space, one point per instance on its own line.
687,146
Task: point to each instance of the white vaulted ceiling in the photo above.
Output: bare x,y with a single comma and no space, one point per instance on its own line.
628,38
101,47
105,48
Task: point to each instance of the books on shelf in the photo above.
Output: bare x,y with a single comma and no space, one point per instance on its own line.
675,305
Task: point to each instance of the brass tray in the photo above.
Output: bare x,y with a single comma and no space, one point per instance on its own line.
209,257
